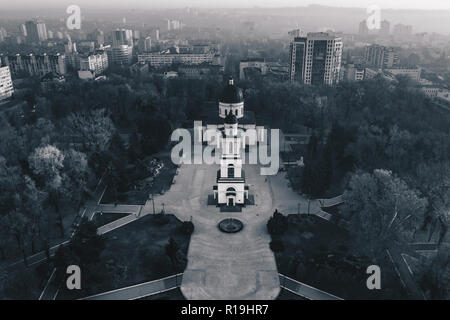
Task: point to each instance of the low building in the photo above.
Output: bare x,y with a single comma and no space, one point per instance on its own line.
251,69
52,81
200,71
370,73
430,91
258,63
443,96
354,72
412,73
167,58
170,74
6,84
86,75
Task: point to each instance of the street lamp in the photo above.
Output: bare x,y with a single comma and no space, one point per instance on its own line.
153,200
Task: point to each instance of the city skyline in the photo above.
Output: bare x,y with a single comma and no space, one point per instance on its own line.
383,4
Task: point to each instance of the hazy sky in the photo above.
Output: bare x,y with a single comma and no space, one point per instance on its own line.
395,4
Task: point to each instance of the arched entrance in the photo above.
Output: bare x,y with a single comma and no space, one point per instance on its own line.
231,196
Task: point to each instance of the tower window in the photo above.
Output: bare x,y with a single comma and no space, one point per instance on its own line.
230,171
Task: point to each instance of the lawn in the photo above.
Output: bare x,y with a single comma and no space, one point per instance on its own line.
133,254
24,283
49,228
320,254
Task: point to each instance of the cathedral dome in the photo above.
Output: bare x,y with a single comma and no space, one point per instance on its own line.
231,93
231,119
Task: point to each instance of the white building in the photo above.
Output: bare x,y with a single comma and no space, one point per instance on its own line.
430,91
97,62
231,189
230,138
6,84
147,44
161,59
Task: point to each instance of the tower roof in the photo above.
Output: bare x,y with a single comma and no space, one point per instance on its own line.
231,93
231,119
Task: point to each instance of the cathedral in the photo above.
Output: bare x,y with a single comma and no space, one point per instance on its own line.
231,189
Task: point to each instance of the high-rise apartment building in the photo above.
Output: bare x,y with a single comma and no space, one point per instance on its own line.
6,84
98,36
402,30
3,34
122,37
363,29
380,57
316,59
122,48
36,65
97,62
297,59
36,31
385,28
121,54
148,44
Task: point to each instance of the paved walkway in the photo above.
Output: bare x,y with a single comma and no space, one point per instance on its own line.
150,288
223,266
406,276
305,290
140,290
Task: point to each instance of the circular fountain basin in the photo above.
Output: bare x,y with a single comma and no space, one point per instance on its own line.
230,225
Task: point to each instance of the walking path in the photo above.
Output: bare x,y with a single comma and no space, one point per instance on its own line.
150,288
223,266
305,290
140,290
404,272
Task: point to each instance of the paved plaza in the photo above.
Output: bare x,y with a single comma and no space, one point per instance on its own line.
228,266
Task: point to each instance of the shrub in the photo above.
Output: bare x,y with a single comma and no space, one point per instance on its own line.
277,245
187,227
161,219
154,263
278,224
